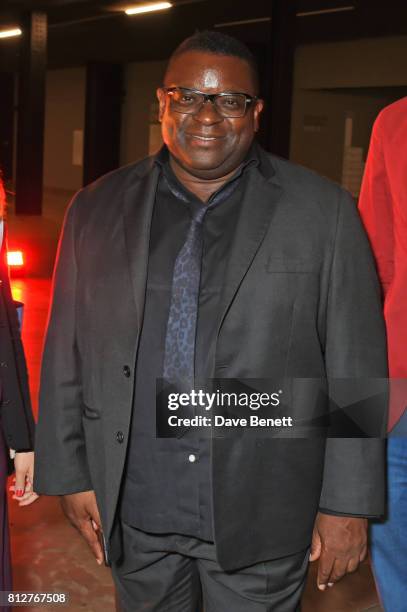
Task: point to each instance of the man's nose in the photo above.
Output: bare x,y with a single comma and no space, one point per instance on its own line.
208,114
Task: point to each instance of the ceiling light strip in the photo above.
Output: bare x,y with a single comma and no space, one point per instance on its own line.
10,33
242,22
148,8
339,9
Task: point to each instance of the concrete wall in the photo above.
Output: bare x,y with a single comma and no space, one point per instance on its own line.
356,63
318,126
139,109
65,113
336,80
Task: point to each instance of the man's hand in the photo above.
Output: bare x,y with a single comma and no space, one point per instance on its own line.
82,511
340,544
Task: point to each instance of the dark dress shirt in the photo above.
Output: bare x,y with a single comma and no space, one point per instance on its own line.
167,483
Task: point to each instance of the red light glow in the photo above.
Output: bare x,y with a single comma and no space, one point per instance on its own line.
15,258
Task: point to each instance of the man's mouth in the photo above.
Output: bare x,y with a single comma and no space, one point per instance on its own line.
205,138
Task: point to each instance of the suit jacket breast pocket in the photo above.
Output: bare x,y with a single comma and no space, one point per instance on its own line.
283,265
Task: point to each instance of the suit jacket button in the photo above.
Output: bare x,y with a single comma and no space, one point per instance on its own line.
126,371
120,437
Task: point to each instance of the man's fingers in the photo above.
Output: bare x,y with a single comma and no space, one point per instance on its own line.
332,569
363,554
94,514
353,565
344,542
326,563
315,546
92,539
338,571
82,511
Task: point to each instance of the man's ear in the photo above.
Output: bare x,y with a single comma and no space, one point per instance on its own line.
257,112
162,100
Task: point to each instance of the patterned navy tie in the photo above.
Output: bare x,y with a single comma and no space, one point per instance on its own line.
179,353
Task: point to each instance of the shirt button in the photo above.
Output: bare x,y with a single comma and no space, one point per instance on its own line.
120,437
192,458
126,371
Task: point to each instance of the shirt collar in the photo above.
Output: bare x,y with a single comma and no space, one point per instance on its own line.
177,188
252,158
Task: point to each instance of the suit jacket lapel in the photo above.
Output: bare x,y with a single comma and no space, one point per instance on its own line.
261,195
260,198
138,210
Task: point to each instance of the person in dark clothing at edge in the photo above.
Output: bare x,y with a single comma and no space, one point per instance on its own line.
16,419
211,259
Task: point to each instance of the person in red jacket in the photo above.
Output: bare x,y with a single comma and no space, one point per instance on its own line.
383,206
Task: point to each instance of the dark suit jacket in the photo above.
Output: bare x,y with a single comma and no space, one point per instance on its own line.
16,416
301,299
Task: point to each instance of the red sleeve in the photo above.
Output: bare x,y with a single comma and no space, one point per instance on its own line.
376,208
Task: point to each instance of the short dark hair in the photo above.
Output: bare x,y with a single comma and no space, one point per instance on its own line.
211,41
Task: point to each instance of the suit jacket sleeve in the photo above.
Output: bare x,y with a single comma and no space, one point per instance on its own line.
61,462
353,481
376,209
16,415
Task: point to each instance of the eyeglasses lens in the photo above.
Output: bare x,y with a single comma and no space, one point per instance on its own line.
231,106
189,102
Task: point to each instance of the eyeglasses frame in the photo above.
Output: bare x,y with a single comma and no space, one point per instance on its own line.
212,97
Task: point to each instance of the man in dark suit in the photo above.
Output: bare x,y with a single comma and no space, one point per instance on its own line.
211,259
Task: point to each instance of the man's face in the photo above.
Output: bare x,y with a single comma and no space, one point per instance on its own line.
205,144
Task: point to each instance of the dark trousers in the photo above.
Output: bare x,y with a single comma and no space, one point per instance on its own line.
174,573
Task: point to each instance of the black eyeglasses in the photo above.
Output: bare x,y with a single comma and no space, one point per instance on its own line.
190,101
